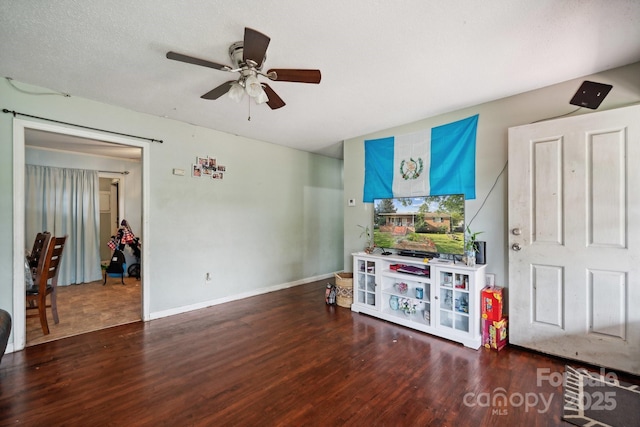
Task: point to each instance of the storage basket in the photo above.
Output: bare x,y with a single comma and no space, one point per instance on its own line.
344,289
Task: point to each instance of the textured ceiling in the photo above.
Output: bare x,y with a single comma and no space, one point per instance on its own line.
383,63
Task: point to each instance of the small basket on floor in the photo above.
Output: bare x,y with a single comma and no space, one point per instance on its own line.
344,289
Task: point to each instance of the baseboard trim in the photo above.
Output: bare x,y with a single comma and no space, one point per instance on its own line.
243,295
10,348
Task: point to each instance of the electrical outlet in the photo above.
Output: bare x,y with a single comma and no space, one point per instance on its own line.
208,277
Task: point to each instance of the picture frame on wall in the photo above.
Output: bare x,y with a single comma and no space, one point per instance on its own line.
202,161
207,166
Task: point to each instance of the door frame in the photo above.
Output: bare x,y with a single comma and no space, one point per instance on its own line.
122,191
19,127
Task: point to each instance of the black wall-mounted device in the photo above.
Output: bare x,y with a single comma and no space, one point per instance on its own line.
590,94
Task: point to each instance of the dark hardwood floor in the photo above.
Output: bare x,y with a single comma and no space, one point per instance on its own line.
279,359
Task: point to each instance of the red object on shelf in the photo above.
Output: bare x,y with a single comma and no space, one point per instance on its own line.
412,269
491,301
395,267
494,334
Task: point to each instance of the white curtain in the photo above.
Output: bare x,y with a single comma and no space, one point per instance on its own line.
66,202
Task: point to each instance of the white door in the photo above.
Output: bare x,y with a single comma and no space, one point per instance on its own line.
574,238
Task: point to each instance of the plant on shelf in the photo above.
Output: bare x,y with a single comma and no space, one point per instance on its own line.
470,246
366,233
407,305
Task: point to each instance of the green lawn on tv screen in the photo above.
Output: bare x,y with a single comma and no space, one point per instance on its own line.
452,243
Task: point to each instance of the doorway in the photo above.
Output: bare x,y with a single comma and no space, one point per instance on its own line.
574,220
110,211
21,127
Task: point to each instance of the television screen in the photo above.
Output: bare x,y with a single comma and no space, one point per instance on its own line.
427,225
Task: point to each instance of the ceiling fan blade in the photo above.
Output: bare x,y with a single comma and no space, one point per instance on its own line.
293,75
274,101
219,91
254,46
191,60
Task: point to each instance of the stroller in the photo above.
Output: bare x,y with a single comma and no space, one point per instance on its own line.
117,265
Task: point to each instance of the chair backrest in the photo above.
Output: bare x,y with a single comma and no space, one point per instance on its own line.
38,247
39,268
59,242
51,263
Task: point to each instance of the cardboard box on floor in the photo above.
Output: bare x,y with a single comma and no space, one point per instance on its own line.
494,333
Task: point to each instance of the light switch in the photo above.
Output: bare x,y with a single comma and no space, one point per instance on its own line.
179,172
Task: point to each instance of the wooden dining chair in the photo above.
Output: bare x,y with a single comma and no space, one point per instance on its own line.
45,283
38,246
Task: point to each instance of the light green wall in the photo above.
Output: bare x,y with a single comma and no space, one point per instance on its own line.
275,219
491,156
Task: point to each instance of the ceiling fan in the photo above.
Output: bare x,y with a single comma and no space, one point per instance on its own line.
247,58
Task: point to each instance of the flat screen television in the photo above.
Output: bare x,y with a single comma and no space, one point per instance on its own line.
427,226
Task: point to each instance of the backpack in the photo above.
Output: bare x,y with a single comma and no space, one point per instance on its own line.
116,266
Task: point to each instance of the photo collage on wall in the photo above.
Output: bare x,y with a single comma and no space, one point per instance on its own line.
208,167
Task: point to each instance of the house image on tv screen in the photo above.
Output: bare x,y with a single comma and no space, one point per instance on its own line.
429,224
431,221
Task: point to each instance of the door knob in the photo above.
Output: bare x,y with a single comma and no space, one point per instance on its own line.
516,247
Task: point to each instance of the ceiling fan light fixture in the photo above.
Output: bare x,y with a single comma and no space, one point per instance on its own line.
236,92
252,86
254,89
262,97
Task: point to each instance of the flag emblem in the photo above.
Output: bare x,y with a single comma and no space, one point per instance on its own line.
411,169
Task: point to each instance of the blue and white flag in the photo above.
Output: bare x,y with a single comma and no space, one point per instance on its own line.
428,163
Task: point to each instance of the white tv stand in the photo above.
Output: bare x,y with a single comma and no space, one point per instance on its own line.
450,303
